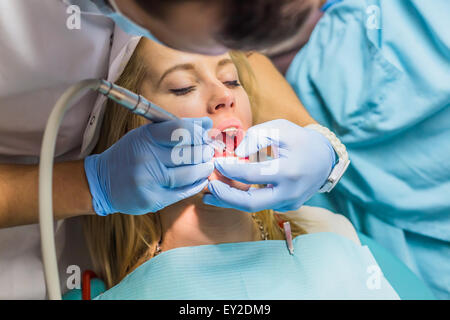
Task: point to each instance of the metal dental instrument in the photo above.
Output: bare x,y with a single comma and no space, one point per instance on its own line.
288,234
142,107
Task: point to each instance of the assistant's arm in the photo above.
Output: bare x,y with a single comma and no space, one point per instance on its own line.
276,98
19,193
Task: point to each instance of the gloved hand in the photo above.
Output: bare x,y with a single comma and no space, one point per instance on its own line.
137,175
304,162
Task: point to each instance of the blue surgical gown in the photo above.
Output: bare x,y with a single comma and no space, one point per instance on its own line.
323,266
377,73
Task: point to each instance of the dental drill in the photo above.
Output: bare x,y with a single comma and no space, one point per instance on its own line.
133,102
142,107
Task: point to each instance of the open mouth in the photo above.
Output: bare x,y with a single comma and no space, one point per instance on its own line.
231,137
230,133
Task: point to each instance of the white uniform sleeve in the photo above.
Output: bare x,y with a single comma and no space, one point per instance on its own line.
123,47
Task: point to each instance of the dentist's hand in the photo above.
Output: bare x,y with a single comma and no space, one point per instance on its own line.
304,161
138,173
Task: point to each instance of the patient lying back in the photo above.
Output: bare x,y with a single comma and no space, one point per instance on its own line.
190,85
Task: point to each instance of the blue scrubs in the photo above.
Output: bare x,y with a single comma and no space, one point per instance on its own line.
377,73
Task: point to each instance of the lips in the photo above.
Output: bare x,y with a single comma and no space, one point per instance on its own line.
229,132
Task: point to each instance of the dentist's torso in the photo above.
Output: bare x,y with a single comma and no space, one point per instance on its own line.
39,58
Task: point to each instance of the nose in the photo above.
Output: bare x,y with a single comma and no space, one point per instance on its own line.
222,99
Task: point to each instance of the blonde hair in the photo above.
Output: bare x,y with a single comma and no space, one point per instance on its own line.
119,243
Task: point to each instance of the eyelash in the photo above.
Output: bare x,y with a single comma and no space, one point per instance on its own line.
184,91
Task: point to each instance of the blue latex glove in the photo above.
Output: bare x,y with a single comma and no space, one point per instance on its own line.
304,162
137,175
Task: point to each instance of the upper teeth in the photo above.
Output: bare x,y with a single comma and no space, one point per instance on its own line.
230,129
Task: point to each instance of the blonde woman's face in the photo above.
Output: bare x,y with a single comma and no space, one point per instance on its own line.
192,86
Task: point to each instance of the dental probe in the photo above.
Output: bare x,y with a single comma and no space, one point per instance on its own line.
288,234
142,107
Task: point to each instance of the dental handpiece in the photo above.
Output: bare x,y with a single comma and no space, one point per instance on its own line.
142,107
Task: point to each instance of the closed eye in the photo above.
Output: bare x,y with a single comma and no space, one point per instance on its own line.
234,83
182,91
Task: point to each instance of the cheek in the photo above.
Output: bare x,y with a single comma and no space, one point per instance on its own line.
187,106
244,109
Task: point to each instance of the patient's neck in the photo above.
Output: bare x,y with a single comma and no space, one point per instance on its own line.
192,223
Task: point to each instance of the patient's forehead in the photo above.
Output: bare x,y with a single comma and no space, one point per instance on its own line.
159,58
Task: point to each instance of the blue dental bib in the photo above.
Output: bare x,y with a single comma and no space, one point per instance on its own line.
324,266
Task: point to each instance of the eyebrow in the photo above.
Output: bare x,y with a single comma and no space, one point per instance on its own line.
224,62
189,66
185,66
